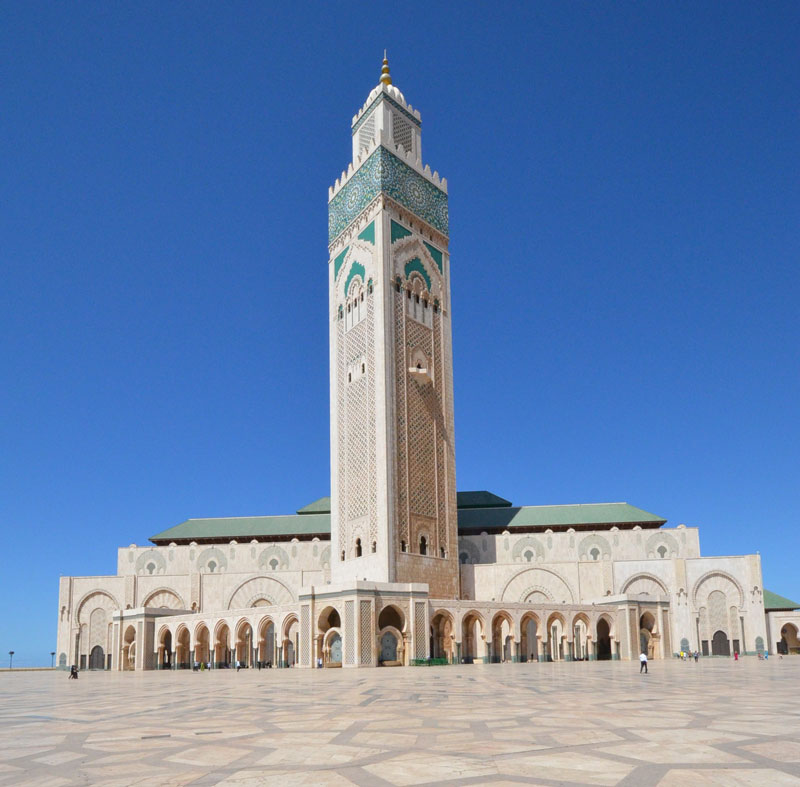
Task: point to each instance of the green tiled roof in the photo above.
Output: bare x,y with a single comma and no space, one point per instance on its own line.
481,499
579,515
496,515
321,506
244,528
772,601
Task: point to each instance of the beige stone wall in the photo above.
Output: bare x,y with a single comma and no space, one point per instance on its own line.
591,546
234,557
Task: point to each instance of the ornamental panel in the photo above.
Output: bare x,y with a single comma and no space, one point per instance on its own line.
385,172
349,632
366,632
305,635
420,649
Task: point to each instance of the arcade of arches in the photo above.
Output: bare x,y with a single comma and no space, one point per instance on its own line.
372,630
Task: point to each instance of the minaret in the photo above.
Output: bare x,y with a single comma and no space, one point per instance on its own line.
393,506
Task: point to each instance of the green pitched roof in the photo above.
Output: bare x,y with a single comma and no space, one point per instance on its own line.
772,601
481,499
497,515
579,515
320,506
247,527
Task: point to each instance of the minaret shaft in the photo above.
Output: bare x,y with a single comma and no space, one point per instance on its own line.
393,516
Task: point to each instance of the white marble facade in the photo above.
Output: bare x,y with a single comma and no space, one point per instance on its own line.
505,578
390,576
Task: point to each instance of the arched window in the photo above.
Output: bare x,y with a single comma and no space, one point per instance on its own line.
595,553
342,556
402,546
151,567
358,547
273,564
211,566
442,552
528,555
464,558
374,547
423,546
662,551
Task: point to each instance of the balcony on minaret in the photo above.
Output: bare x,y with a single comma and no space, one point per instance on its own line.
420,368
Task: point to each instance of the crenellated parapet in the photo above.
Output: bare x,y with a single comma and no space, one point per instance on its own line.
396,174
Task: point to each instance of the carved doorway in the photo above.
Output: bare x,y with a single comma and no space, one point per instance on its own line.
96,658
720,645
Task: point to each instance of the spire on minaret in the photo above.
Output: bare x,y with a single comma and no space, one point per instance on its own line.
386,77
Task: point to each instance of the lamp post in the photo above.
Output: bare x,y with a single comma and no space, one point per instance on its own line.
52,658
10,658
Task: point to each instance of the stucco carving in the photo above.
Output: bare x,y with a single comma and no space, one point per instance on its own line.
151,562
531,545
273,558
256,589
644,584
591,542
557,588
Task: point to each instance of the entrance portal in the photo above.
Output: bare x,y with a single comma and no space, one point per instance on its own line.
96,659
388,647
720,646
336,649
603,640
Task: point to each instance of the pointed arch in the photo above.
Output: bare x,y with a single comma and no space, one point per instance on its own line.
644,583
544,580
99,598
717,580
260,588
164,598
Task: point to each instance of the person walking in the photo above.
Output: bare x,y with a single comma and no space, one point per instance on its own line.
643,663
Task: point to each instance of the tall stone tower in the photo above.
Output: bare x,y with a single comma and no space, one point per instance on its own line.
393,506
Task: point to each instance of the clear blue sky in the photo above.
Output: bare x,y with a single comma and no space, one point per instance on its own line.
624,203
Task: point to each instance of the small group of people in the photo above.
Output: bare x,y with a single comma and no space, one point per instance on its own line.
201,666
687,655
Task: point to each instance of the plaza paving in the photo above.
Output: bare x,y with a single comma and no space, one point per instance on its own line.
716,722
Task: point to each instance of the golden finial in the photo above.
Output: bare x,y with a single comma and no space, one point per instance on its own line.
386,77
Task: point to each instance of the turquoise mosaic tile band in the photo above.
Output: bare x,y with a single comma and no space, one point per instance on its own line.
417,265
435,253
399,231
356,269
383,97
384,172
337,263
368,233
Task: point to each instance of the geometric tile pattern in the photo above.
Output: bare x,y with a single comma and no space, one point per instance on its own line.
384,172
718,722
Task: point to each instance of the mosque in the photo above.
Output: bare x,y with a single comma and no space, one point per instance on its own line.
396,567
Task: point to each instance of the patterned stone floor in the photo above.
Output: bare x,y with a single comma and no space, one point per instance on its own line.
714,723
